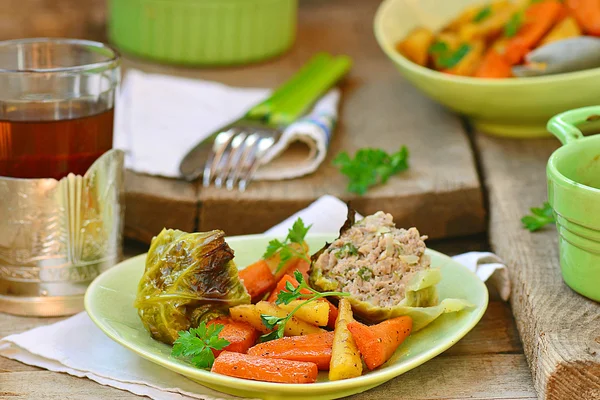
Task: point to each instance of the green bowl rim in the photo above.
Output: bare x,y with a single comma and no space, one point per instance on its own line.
558,177
244,384
509,82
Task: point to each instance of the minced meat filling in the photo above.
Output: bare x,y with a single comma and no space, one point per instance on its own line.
374,260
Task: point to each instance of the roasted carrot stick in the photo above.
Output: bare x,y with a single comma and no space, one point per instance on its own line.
378,343
314,348
333,311
241,336
264,369
539,19
258,279
300,265
587,13
493,66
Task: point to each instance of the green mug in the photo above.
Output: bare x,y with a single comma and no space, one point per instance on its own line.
574,193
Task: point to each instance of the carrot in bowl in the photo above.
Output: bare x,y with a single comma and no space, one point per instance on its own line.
314,348
258,279
494,65
587,13
538,20
378,343
264,369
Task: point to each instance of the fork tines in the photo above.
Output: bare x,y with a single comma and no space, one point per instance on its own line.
236,155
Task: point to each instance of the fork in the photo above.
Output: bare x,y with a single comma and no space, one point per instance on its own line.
234,153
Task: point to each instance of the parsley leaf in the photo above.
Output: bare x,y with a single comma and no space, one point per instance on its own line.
296,234
286,297
540,217
298,231
370,167
195,345
483,14
450,59
514,24
438,48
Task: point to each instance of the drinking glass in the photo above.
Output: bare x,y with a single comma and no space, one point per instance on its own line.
56,106
61,182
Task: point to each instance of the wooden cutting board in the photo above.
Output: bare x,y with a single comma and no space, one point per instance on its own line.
440,194
559,328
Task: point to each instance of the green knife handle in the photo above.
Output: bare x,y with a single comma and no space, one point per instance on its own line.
265,108
309,91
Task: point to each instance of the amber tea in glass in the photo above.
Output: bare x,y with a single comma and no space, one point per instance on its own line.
56,106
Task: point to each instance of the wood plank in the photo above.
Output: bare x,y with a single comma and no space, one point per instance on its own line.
495,333
148,210
380,109
498,376
55,386
53,18
560,329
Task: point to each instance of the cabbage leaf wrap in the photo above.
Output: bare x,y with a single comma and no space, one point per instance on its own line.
188,278
420,300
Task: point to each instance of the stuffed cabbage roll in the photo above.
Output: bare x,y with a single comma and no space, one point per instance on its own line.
189,278
385,269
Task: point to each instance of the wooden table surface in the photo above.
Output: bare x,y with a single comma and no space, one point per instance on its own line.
560,330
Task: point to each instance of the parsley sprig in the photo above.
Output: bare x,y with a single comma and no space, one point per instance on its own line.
483,14
539,218
286,297
514,24
195,345
296,235
446,57
370,167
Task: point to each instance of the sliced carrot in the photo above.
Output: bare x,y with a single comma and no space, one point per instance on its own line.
258,279
539,19
241,336
315,348
587,13
564,13
264,369
279,269
494,65
333,314
333,311
300,265
378,343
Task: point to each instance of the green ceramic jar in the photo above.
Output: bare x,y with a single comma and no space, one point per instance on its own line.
574,194
203,32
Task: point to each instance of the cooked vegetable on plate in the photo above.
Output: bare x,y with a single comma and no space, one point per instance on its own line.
500,39
277,319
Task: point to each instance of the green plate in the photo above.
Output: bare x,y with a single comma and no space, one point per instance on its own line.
109,302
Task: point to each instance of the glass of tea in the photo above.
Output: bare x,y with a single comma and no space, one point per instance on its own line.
61,183
56,106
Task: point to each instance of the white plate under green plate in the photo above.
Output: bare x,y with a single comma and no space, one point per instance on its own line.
109,302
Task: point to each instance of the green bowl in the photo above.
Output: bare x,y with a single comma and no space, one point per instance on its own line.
515,107
203,32
573,173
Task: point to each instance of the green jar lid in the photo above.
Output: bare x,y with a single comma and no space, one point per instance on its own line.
203,32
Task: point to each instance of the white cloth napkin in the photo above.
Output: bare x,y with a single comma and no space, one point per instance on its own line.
159,118
77,347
